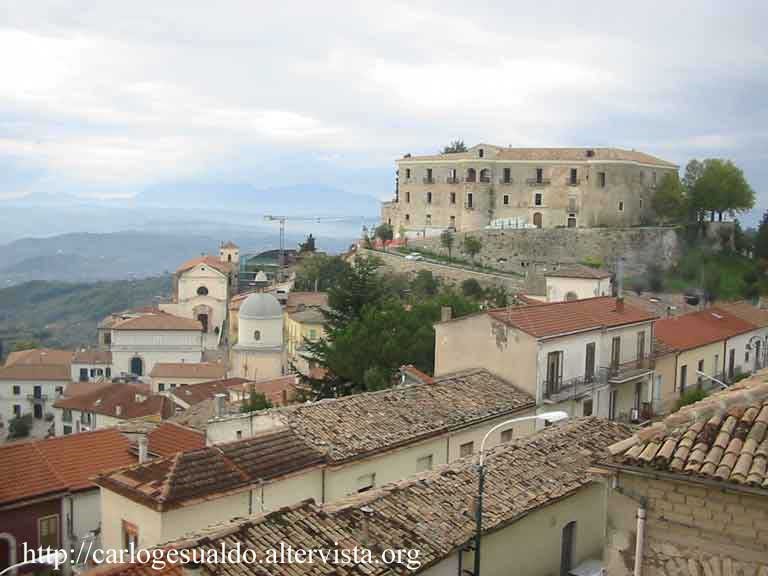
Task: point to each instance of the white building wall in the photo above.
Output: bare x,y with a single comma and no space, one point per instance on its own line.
49,389
154,346
744,360
558,288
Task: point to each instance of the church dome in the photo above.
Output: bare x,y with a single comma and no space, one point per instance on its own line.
260,305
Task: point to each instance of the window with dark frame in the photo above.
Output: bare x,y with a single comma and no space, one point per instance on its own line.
601,179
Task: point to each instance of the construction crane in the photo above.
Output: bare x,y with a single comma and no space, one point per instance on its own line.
283,219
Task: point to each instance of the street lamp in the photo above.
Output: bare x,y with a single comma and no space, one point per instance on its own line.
715,380
547,416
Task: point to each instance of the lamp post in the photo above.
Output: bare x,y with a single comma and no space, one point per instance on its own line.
547,416
722,384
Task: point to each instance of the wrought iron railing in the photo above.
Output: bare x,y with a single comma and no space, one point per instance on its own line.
559,390
630,369
538,182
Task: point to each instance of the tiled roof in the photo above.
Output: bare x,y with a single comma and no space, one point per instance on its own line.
360,424
79,388
417,375
170,482
41,372
120,400
428,512
36,468
700,328
188,370
92,356
723,438
308,316
157,321
169,438
578,271
746,311
279,391
196,393
308,299
556,318
40,356
212,261
565,155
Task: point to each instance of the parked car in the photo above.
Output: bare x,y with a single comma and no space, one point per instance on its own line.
414,256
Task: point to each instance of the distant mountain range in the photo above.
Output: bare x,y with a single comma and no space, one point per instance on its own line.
67,238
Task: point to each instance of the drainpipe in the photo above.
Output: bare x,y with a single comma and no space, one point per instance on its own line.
640,540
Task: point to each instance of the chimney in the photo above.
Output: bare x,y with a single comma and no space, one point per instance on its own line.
219,406
365,526
445,313
620,304
620,277
143,442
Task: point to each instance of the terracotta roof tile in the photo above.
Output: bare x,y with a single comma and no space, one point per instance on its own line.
746,311
40,356
36,468
188,370
428,512
170,482
212,261
120,400
92,356
169,438
279,391
42,372
195,393
555,318
700,328
157,321
723,437
354,425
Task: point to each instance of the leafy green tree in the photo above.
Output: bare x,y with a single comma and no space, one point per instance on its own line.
761,238
319,272
357,286
20,345
447,240
384,232
455,146
472,246
669,200
497,297
471,289
20,427
256,401
721,187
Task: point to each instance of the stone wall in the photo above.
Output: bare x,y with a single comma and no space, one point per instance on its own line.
691,530
448,274
523,250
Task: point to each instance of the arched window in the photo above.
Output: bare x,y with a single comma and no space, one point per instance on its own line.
137,366
537,219
485,175
203,319
257,335
202,291
471,175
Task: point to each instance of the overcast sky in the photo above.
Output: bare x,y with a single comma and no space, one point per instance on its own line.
109,98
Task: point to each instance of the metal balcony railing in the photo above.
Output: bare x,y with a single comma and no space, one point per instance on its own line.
618,373
505,182
453,180
574,181
560,390
537,182
37,397
428,180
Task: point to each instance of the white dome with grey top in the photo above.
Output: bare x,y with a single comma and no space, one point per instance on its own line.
260,306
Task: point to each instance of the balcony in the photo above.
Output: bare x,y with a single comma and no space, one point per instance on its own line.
573,181
559,391
469,206
453,180
535,182
37,398
428,180
504,182
627,371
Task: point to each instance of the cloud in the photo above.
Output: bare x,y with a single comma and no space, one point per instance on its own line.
115,96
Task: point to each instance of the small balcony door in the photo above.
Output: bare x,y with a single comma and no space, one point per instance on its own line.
589,368
615,352
554,372
640,348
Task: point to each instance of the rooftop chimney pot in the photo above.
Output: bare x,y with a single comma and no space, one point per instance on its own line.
143,451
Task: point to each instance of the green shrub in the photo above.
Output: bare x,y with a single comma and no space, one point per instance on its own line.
691,396
20,427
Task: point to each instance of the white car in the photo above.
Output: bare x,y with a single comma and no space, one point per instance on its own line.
414,256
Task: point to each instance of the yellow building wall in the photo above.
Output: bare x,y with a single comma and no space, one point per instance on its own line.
116,508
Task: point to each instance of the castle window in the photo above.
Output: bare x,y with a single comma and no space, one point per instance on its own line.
429,219
621,206
601,179
407,197
507,175
506,199
257,335
539,175
429,197
485,175
407,218
537,199
202,291
407,173
471,175
453,197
